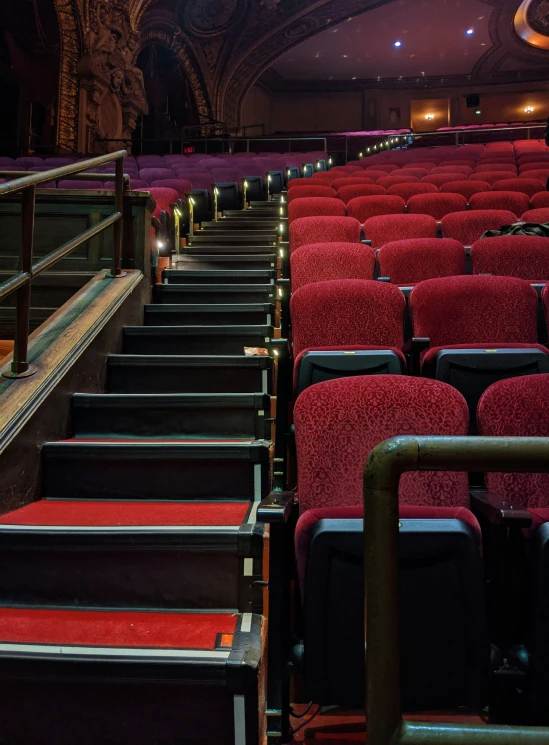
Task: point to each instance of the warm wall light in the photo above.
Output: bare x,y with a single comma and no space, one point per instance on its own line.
529,110
429,116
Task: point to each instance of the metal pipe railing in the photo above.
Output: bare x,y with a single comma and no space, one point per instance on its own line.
21,283
382,472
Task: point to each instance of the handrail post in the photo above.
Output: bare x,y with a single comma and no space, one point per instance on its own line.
119,225
20,367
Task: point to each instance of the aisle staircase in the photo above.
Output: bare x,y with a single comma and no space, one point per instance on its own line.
133,590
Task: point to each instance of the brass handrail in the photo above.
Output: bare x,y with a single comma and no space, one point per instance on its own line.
21,282
382,472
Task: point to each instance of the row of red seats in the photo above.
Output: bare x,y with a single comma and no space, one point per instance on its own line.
407,262
465,227
447,620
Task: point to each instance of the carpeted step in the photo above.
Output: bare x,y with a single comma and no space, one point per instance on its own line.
156,470
218,276
210,314
233,238
218,293
241,222
124,554
194,340
196,415
266,211
188,374
206,247
235,262
130,678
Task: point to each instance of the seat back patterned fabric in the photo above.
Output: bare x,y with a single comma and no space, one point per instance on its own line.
517,407
324,261
338,423
411,261
322,229
347,312
475,310
315,206
523,256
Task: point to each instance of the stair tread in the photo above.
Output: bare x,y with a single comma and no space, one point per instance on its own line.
217,400
125,514
214,360
132,630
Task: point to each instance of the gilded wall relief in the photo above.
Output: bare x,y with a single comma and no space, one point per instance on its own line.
69,18
113,84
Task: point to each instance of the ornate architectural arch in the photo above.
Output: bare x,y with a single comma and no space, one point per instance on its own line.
163,29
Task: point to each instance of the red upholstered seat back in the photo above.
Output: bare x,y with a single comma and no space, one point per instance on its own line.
474,310
541,215
411,261
437,205
339,422
306,230
524,185
386,228
315,206
353,191
468,227
351,181
312,190
405,191
347,312
397,179
438,179
517,407
490,177
324,261
365,207
522,256
513,201
163,198
465,188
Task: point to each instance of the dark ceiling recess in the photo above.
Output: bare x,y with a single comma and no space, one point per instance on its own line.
472,101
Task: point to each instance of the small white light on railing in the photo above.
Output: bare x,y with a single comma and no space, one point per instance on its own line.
280,294
329,161
178,212
216,192
281,227
281,211
368,150
361,155
269,177
160,244
191,200
245,184
281,253
282,200
275,352
288,173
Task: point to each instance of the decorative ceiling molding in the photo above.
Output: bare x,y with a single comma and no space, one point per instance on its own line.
532,23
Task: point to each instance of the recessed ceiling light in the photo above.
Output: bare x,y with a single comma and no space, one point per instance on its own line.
470,31
398,44
345,55
354,78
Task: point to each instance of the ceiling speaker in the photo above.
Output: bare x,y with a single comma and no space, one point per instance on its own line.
472,101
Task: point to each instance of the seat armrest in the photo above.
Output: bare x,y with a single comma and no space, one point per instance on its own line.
277,507
499,511
413,350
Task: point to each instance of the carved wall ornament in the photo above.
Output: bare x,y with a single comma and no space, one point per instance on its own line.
114,85
69,19
532,23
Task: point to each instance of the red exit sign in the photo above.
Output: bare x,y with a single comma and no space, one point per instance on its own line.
189,149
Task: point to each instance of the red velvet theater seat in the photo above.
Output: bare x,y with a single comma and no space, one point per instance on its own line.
480,330
524,185
437,205
513,201
315,207
522,256
396,179
408,262
541,215
519,407
305,230
405,191
351,181
311,190
491,177
362,208
354,191
387,228
438,179
324,261
465,188
468,227
346,327
445,651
